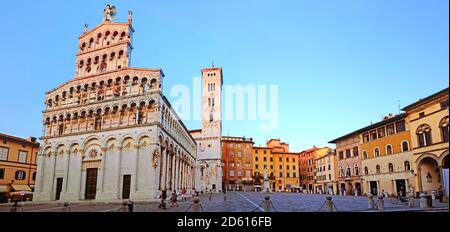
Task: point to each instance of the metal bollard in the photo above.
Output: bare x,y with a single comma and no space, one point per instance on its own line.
130,206
196,206
371,201
381,203
329,204
66,207
266,203
423,201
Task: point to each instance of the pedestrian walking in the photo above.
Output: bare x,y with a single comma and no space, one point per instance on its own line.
163,197
173,199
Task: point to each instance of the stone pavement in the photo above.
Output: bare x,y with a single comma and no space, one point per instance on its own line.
235,202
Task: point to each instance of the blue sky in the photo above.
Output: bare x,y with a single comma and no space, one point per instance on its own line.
338,64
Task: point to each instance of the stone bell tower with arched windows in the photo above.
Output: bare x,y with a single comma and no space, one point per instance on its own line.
110,133
209,149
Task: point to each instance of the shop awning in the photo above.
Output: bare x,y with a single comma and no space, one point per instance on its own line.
3,189
20,187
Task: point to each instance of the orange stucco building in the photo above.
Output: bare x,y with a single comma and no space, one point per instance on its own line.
17,165
237,163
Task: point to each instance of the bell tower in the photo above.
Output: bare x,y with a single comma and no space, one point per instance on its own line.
212,102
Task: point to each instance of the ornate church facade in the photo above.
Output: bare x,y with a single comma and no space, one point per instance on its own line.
110,133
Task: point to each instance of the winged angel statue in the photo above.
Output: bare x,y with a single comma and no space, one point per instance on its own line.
109,13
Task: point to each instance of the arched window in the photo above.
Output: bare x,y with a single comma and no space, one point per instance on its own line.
377,152
348,173
20,175
407,166
378,169
209,101
389,149
444,129
356,170
405,146
391,167
211,118
231,154
424,135
365,156
366,171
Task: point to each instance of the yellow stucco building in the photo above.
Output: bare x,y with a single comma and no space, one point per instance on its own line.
428,121
17,165
387,157
281,165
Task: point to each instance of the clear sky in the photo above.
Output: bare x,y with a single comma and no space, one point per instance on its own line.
338,64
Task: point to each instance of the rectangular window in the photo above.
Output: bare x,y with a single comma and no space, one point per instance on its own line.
287,167
366,137
23,156
271,166
444,104
381,132
4,153
281,166
400,126
247,173
279,159
287,159
231,173
355,151
271,159
256,166
421,114
265,159
390,129
373,135
239,154
264,151
239,173
2,173
341,155
347,153
256,158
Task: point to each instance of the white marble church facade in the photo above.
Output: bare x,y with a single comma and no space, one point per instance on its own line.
110,133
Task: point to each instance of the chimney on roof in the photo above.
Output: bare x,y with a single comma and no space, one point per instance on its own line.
31,139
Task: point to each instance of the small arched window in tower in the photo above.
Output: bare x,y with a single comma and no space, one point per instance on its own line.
407,166
388,149
209,101
99,36
91,41
378,169
405,146
391,167
212,101
114,35
122,35
377,152
211,118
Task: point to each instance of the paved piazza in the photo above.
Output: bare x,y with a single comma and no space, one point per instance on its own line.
235,202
